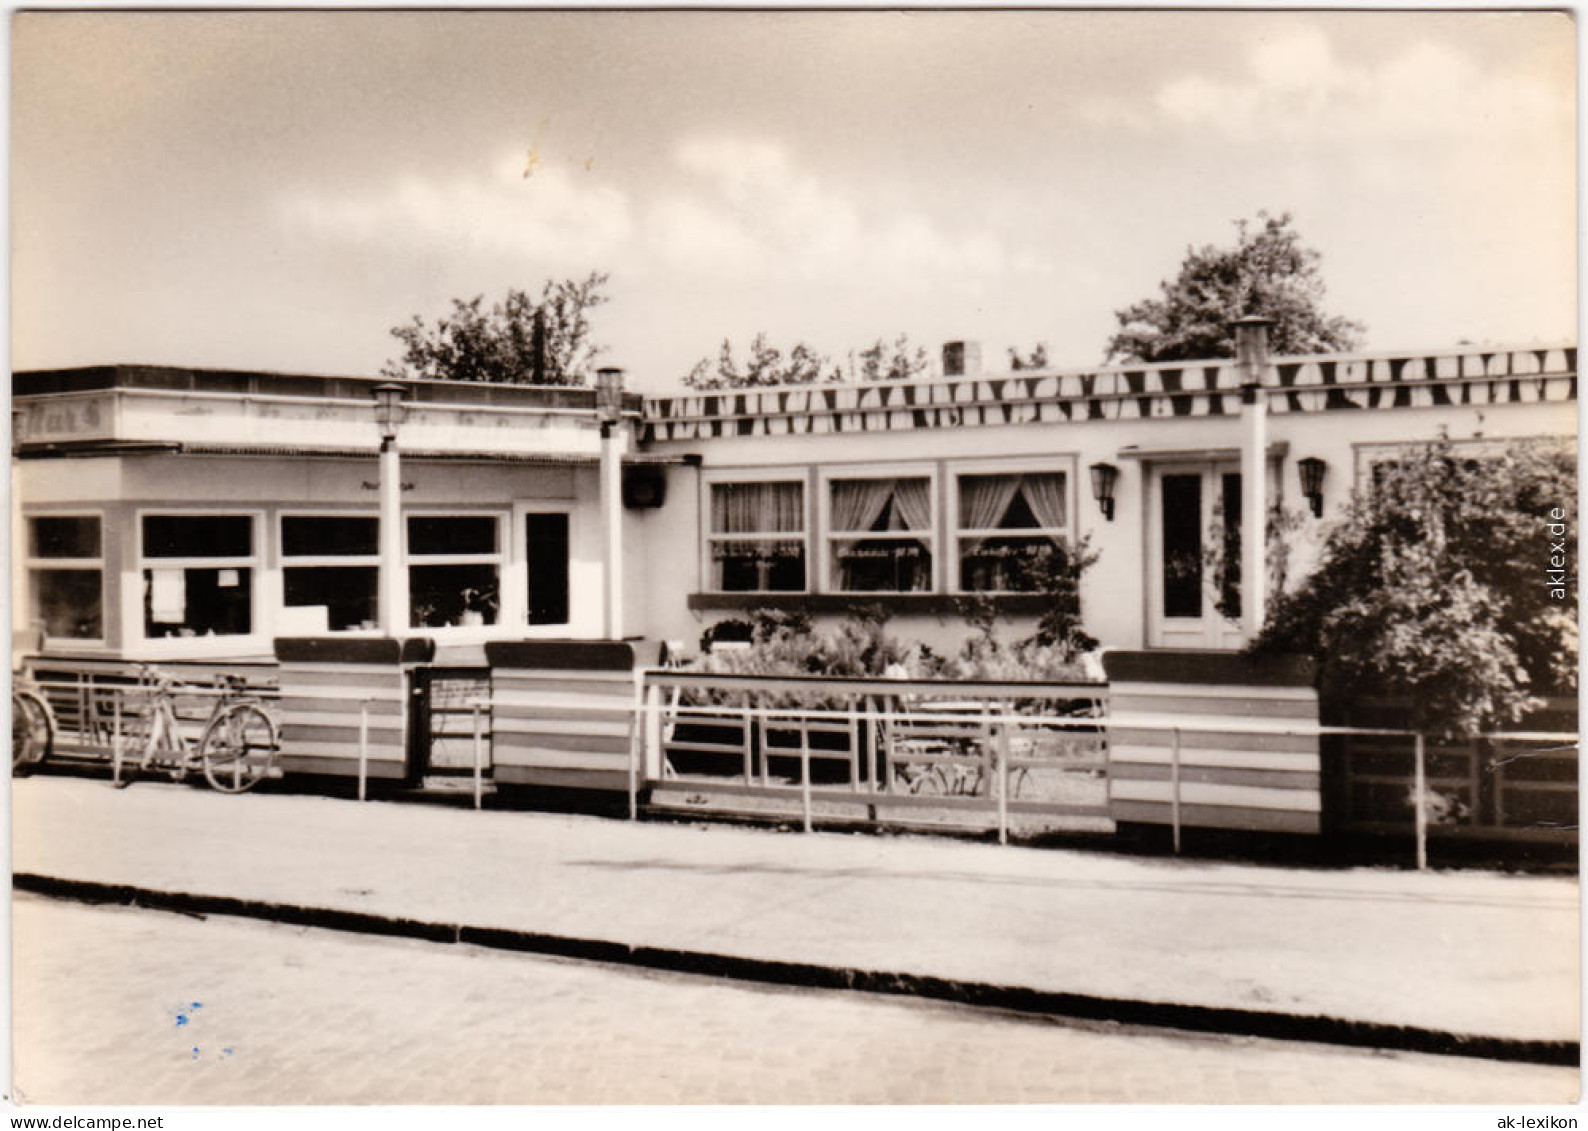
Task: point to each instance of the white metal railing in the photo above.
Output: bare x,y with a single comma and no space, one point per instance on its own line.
1000,724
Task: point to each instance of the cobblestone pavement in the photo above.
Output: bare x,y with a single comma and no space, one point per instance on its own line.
122,1006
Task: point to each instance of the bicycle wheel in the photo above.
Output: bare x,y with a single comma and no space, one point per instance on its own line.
931,782
32,730
238,749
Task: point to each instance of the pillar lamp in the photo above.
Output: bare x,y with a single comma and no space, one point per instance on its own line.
1104,476
389,409
609,411
389,413
1312,470
609,398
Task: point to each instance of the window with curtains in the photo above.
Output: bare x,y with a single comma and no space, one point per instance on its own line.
879,534
1009,528
757,538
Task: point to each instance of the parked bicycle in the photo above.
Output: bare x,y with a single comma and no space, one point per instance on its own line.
236,750
32,726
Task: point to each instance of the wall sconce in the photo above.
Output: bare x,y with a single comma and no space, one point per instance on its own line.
1312,470
389,410
609,397
1104,476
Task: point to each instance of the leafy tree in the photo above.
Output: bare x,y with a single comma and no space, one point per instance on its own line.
519,341
766,365
1036,359
1433,587
802,365
880,362
1267,273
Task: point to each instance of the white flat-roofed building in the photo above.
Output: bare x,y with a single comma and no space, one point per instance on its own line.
168,513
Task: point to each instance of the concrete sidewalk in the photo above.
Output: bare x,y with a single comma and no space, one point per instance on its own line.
1478,954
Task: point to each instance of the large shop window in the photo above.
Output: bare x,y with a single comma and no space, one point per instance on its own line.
332,563
880,535
454,570
1010,527
66,576
757,539
198,575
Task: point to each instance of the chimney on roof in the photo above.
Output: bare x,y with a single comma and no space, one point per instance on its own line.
961,359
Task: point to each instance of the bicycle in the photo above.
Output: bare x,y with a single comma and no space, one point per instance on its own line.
236,749
32,728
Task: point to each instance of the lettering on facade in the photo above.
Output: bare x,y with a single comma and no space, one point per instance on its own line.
85,419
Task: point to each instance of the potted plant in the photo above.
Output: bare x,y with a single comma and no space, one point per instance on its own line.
479,606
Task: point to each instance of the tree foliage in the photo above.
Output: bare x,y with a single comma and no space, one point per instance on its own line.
1434,587
521,340
766,365
1267,273
1037,358
880,361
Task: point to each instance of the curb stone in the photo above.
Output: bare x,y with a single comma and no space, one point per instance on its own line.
1312,1028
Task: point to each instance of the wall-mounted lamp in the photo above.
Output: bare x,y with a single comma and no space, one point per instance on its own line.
389,410
1312,470
609,397
1104,476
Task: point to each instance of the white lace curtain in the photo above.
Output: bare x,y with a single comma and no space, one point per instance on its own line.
858,503
757,508
984,500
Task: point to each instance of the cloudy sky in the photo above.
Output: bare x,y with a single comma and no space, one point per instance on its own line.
275,191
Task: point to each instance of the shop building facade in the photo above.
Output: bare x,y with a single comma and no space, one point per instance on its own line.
177,514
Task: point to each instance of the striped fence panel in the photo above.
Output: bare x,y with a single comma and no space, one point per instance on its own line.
562,713
1225,778
331,690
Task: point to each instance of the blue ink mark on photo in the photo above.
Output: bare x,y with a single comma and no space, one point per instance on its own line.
227,1051
181,1020
198,1005
195,1052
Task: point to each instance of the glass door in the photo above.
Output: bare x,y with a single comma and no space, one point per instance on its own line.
1194,556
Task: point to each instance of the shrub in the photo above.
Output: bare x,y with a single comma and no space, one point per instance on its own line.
1432,587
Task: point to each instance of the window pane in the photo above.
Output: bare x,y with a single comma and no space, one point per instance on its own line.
757,508
1182,545
1004,565
1230,582
449,595
76,536
349,594
197,602
882,565
758,567
1033,501
69,602
859,505
547,554
198,536
452,534
339,536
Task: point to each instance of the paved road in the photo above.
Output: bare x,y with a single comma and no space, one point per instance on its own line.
1479,953
119,1006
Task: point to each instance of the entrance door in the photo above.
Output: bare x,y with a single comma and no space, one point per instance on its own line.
1194,556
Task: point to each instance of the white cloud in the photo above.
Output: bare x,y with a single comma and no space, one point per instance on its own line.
1298,87
749,207
557,214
